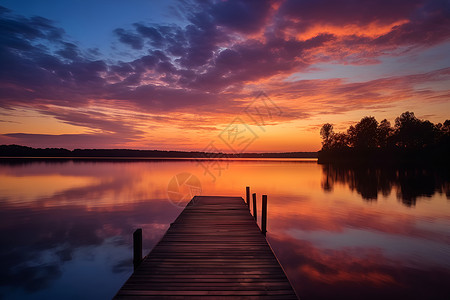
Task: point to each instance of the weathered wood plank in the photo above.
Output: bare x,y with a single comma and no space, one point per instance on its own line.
213,249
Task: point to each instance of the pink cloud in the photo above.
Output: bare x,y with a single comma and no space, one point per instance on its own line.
208,65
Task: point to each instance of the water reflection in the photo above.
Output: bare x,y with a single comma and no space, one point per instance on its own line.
37,242
357,273
408,182
57,216
66,225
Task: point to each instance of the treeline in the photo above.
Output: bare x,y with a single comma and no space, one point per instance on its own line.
24,151
409,140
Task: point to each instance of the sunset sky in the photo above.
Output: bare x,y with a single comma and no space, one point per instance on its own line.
193,75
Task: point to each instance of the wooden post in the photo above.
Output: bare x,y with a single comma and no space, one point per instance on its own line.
264,215
137,248
254,206
247,191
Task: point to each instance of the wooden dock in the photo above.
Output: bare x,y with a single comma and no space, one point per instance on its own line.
214,249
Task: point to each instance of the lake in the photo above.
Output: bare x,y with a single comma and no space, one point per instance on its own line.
339,232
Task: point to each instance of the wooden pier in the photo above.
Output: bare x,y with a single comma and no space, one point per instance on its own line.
214,249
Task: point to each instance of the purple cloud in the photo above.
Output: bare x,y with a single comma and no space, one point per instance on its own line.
307,13
205,64
126,37
246,16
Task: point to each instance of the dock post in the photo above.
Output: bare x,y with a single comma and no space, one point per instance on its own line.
247,191
254,205
137,248
264,215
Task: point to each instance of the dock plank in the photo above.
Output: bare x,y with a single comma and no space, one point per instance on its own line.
214,249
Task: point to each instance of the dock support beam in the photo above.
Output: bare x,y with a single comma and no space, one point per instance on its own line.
264,215
247,192
137,248
254,205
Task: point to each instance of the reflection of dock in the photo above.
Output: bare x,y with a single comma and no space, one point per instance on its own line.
213,249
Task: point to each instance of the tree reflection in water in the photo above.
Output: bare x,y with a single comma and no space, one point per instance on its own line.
409,182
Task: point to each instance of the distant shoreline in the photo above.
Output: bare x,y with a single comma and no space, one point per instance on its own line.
17,151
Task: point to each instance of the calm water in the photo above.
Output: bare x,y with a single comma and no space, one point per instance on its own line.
66,226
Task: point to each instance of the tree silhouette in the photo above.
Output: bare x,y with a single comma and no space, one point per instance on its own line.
327,133
411,139
406,126
384,132
364,134
339,141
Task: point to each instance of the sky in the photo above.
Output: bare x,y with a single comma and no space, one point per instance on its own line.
231,76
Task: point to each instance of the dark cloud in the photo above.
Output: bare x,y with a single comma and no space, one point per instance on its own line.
224,46
28,28
245,16
161,98
414,24
4,10
205,54
152,33
129,38
70,51
308,13
32,73
254,60
429,25
202,42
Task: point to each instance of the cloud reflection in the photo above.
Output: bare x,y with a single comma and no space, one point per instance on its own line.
331,243
352,273
38,236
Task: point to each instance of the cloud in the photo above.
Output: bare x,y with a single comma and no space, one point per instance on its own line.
202,60
70,51
129,38
38,65
337,96
217,50
152,33
354,272
240,15
223,50
308,13
102,121
427,26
